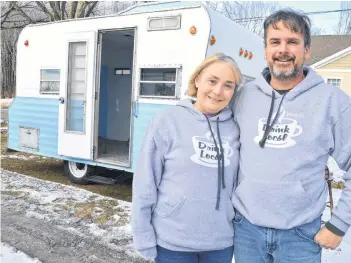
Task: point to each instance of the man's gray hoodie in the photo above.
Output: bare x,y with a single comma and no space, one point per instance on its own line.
281,175
181,188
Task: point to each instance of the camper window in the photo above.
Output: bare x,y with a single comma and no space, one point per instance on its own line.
158,82
163,23
49,81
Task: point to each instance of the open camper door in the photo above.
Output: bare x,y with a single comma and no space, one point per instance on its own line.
76,102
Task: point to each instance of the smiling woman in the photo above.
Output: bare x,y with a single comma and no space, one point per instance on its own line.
213,83
166,208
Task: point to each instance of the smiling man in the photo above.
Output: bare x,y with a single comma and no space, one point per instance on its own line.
290,122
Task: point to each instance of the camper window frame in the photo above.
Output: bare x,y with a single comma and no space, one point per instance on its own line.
40,81
177,81
179,25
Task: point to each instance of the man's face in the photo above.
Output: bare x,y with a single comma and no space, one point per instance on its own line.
285,52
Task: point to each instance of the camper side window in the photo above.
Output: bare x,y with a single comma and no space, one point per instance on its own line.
158,82
49,81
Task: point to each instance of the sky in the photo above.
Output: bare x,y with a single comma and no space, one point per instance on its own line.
326,22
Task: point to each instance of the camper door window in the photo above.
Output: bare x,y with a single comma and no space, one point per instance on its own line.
158,82
50,81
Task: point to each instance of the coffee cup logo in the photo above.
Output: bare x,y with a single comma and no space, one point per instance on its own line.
281,134
206,153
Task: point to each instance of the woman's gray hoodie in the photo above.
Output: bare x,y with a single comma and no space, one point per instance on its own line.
182,187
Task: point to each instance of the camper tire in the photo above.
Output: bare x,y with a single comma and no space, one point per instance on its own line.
77,173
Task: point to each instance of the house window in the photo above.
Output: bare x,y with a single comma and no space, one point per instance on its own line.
159,82
334,81
49,81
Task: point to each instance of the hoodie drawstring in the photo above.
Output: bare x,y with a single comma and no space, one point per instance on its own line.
222,153
220,160
270,126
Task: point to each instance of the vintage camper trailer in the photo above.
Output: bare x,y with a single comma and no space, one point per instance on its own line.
87,88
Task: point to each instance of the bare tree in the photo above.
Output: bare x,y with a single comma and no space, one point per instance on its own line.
317,31
249,14
344,24
18,14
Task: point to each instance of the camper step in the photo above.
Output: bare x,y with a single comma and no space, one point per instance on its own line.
101,180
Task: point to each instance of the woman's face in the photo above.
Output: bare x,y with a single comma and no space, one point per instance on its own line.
215,87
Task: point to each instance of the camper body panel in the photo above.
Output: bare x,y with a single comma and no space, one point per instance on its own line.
231,38
48,50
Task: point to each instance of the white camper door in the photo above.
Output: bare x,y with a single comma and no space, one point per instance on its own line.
76,102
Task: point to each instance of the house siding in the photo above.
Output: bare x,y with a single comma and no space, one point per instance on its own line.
341,63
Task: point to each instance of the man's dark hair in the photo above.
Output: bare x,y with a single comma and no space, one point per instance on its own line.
296,22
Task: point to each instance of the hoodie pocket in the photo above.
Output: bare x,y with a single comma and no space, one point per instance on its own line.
165,208
272,204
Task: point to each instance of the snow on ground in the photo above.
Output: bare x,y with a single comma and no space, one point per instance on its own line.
83,212
343,253
21,157
86,213
335,170
11,255
6,101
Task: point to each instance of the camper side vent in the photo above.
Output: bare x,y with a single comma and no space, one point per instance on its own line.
29,138
163,23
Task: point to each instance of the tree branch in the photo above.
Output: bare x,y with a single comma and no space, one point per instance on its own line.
73,9
54,10
19,9
91,8
45,10
63,9
81,9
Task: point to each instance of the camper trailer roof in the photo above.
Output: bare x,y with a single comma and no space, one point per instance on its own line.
159,6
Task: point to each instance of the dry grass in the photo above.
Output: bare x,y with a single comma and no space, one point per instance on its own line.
101,212
5,106
51,169
338,185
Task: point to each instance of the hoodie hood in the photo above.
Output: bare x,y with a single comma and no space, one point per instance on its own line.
311,80
224,115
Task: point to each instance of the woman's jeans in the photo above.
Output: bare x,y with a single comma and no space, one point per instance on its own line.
255,244
215,256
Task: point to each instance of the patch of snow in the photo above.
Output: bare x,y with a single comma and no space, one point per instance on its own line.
338,174
19,156
6,101
10,255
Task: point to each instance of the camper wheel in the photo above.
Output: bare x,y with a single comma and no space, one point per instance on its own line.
77,172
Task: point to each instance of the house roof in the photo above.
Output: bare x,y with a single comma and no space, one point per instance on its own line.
325,46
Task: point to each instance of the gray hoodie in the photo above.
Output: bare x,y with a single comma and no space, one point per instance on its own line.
281,173
181,189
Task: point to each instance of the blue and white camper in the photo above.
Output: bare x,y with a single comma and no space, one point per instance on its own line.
87,88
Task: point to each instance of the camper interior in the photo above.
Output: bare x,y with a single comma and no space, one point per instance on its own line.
115,97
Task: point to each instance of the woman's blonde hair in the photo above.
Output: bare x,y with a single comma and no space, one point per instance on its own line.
217,57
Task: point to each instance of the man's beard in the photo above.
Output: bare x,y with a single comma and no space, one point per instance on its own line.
292,73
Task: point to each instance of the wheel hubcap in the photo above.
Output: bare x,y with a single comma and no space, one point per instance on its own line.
78,170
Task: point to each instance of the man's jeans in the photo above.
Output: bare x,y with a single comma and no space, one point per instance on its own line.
255,244
215,256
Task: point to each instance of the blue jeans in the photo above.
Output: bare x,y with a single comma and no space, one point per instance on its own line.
215,256
255,244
